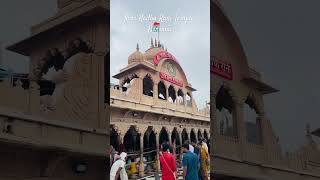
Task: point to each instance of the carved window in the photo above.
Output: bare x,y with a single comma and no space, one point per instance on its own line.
180,97
172,94
148,85
162,92
128,82
252,122
189,100
224,113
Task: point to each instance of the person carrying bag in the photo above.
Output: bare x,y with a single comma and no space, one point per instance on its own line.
168,164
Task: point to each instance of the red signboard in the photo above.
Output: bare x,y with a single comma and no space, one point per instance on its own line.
221,68
171,79
162,54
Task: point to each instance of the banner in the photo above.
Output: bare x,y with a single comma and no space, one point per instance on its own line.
221,68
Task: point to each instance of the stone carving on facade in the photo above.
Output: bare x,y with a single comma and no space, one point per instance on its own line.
68,75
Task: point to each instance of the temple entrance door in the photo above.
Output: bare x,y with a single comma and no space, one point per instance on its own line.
193,137
131,140
184,135
114,138
149,148
163,136
175,138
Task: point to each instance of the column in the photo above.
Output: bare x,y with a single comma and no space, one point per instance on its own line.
167,93
213,126
155,90
188,136
176,92
264,135
240,128
180,153
33,102
141,165
169,135
196,134
157,157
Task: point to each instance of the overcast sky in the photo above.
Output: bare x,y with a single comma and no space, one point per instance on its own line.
281,40
16,19
188,42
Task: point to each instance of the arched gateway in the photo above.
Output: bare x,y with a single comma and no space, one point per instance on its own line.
158,102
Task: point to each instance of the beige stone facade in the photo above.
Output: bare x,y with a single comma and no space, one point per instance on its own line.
49,135
152,104
238,152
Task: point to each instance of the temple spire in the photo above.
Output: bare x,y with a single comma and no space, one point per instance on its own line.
137,47
152,43
155,42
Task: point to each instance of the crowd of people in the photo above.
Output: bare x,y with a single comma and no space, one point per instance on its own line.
195,161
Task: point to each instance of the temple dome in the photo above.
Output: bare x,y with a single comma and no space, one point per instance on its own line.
136,56
153,50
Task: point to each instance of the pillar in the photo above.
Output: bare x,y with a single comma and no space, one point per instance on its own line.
155,90
264,135
213,128
188,136
169,135
180,153
167,93
157,157
176,92
196,134
240,128
141,165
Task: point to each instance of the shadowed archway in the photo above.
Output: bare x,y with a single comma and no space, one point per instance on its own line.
131,140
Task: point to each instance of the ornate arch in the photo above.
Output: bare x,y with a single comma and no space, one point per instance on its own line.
258,105
226,86
193,136
162,61
221,18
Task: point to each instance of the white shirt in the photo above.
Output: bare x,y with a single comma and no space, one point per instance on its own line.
116,165
191,148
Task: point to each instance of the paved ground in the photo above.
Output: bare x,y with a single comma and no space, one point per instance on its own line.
152,177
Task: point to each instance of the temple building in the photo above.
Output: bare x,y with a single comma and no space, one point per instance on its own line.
53,121
152,104
244,143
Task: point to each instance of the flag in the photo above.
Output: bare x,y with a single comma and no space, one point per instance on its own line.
156,26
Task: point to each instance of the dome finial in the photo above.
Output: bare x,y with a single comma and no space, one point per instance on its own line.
152,43
137,47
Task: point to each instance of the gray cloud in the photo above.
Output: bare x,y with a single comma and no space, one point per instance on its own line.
281,41
16,18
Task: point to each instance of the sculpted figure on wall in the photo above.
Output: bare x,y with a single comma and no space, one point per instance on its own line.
64,80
